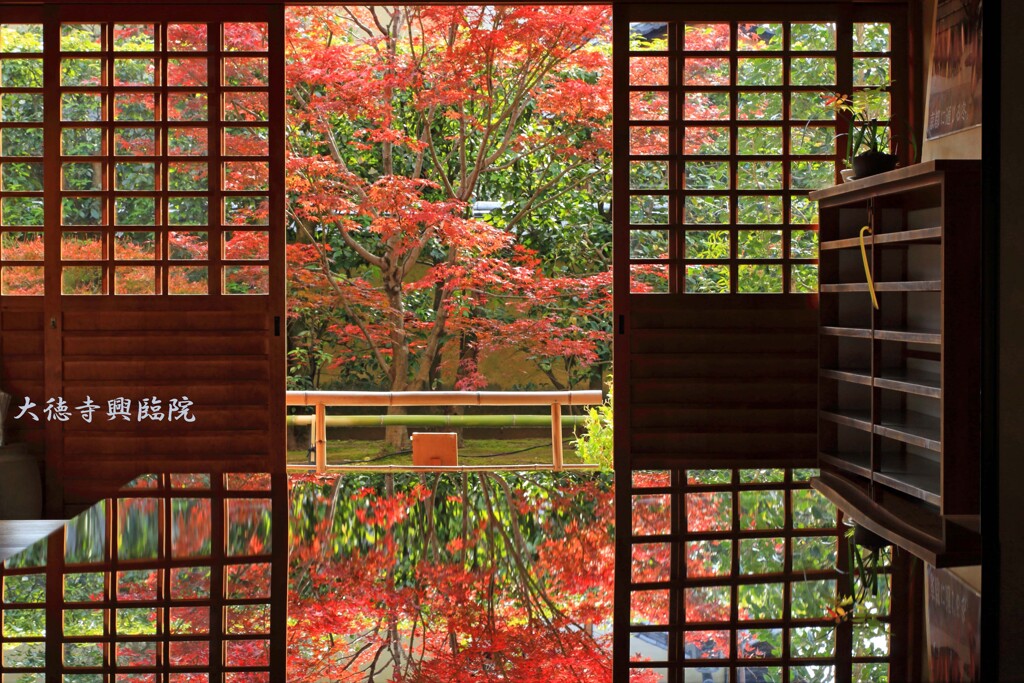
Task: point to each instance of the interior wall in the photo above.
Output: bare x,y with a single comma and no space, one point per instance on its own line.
963,145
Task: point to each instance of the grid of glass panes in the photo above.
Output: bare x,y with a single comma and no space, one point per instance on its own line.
872,75
732,124
168,583
153,182
21,159
23,616
733,574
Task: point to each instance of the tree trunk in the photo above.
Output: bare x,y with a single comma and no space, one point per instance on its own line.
397,438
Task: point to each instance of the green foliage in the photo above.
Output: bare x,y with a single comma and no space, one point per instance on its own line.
596,444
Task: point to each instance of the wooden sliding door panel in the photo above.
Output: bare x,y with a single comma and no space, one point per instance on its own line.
725,119
145,233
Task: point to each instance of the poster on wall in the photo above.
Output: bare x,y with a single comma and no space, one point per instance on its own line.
953,618
954,99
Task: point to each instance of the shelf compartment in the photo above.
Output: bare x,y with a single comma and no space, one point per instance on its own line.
912,428
914,286
909,336
908,381
900,237
853,332
911,474
852,375
858,419
856,463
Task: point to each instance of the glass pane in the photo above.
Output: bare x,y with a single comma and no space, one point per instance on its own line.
135,72
248,142
246,211
707,279
648,279
648,209
251,71
759,244
707,175
81,37
707,244
706,71
648,244
249,37
758,71
759,106
759,175
761,140
247,280
705,140
21,142
131,246
248,531
188,280
21,177
134,280
701,210
812,36
706,106
760,279
187,106
651,562
812,71
871,37
134,37
82,280
22,246
759,37
138,528
648,175
642,71
81,246
186,72
706,37
708,558
186,37
21,73
710,511
648,140
21,38
247,245
752,210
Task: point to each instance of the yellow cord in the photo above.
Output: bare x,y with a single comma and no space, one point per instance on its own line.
867,268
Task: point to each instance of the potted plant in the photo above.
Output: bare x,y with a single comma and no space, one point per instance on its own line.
867,142
864,564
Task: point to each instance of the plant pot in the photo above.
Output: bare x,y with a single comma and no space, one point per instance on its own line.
847,175
873,163
866,538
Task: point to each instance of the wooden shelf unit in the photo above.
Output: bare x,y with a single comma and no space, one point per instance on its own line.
898,402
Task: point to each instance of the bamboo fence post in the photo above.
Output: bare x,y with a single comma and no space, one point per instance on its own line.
320,425
556,436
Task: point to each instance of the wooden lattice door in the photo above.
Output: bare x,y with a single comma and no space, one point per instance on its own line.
723,124
144,240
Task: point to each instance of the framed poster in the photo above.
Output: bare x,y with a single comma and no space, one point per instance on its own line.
953,628
954,86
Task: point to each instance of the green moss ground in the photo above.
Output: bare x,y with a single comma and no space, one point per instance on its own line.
368,453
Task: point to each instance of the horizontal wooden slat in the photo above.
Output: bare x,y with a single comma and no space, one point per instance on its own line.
209,394
732,341
208,446
740,419
165,320
165,344
22,343
206,419
748,443
725,366
21,320
724,394
128,371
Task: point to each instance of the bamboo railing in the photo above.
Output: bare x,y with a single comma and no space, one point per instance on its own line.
320,400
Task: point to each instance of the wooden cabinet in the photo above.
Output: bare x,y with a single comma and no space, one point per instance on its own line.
898,402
